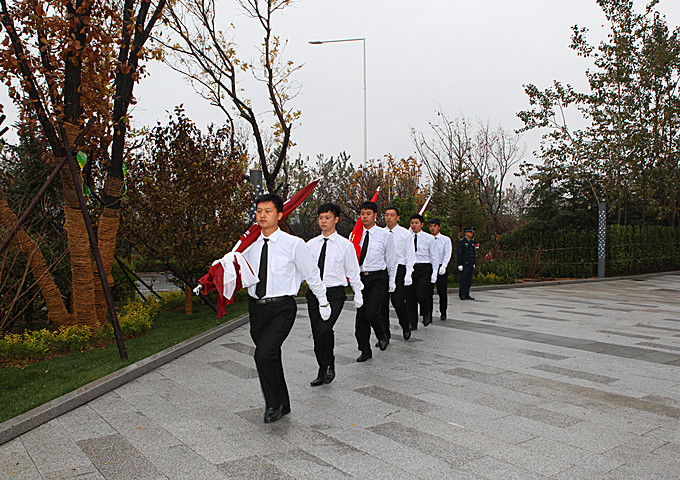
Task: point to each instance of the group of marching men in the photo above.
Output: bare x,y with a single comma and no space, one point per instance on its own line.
394,263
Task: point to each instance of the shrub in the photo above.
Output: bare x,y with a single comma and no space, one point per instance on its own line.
135,319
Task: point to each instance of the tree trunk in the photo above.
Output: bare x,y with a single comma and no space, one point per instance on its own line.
187,300
106,238
82,271
57,312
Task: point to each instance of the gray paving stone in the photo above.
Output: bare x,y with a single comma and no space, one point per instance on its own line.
396,399
236,369
116,459
465,398
255,468
568,372
437,447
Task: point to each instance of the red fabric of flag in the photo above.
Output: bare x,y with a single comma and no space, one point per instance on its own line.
355,236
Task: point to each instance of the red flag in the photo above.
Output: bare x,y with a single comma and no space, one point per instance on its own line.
214,279
355,236
291,204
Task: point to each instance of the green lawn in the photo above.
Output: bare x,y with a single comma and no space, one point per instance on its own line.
26,388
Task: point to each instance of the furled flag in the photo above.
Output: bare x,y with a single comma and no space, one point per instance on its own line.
233,271
355,236
422,210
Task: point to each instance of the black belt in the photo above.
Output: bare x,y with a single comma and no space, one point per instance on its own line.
365,274
262,301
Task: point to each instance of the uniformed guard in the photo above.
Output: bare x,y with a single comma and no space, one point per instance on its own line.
467,256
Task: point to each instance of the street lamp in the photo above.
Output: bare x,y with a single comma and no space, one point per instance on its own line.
363,40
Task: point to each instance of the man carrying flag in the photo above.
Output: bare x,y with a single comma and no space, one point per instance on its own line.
378,265
282,262
337,263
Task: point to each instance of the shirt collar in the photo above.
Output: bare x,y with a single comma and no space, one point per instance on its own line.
273,237
332,237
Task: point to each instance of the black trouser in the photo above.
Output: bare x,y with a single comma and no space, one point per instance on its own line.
442,285
371,314
398,298
322,331
270,325
465,281
420,293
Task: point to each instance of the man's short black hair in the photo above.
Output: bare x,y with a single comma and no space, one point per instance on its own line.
369,206
418,216
435,221
271,197
329,207
392,208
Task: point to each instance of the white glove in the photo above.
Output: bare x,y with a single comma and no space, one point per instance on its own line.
433,279
358,302
393,287
197,290
460,268
408,281
442,270
325,312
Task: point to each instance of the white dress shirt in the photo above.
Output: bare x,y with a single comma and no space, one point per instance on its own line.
381,254
341,262
403,245
288,263
444,249
427,252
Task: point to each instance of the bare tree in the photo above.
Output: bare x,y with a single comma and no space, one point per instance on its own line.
207,57
477,155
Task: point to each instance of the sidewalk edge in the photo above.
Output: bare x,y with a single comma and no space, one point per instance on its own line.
25,422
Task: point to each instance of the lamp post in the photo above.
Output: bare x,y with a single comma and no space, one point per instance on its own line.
363,40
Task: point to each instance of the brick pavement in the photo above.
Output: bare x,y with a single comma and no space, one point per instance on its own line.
561,381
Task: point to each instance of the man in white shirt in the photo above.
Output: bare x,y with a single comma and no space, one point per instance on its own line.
424,273
444,249
378,265
405,259
337,261
282,261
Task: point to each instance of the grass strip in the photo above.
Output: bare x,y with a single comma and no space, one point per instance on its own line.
24,388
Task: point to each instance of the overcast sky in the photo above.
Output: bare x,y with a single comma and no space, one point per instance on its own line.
468,57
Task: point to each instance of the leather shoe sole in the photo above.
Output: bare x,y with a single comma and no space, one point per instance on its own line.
364,356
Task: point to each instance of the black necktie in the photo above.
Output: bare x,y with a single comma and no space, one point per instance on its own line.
364,249
415,242
261,287
322,257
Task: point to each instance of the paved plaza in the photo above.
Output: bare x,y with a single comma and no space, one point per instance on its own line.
571,381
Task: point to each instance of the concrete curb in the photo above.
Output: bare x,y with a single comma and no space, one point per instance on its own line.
33,418
21,424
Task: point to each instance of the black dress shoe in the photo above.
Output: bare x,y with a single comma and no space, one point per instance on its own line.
272,414
330,375
427,320
469,298
383,343
364,356
443,317
319,380
407,334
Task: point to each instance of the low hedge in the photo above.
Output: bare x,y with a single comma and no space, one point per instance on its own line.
136,318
